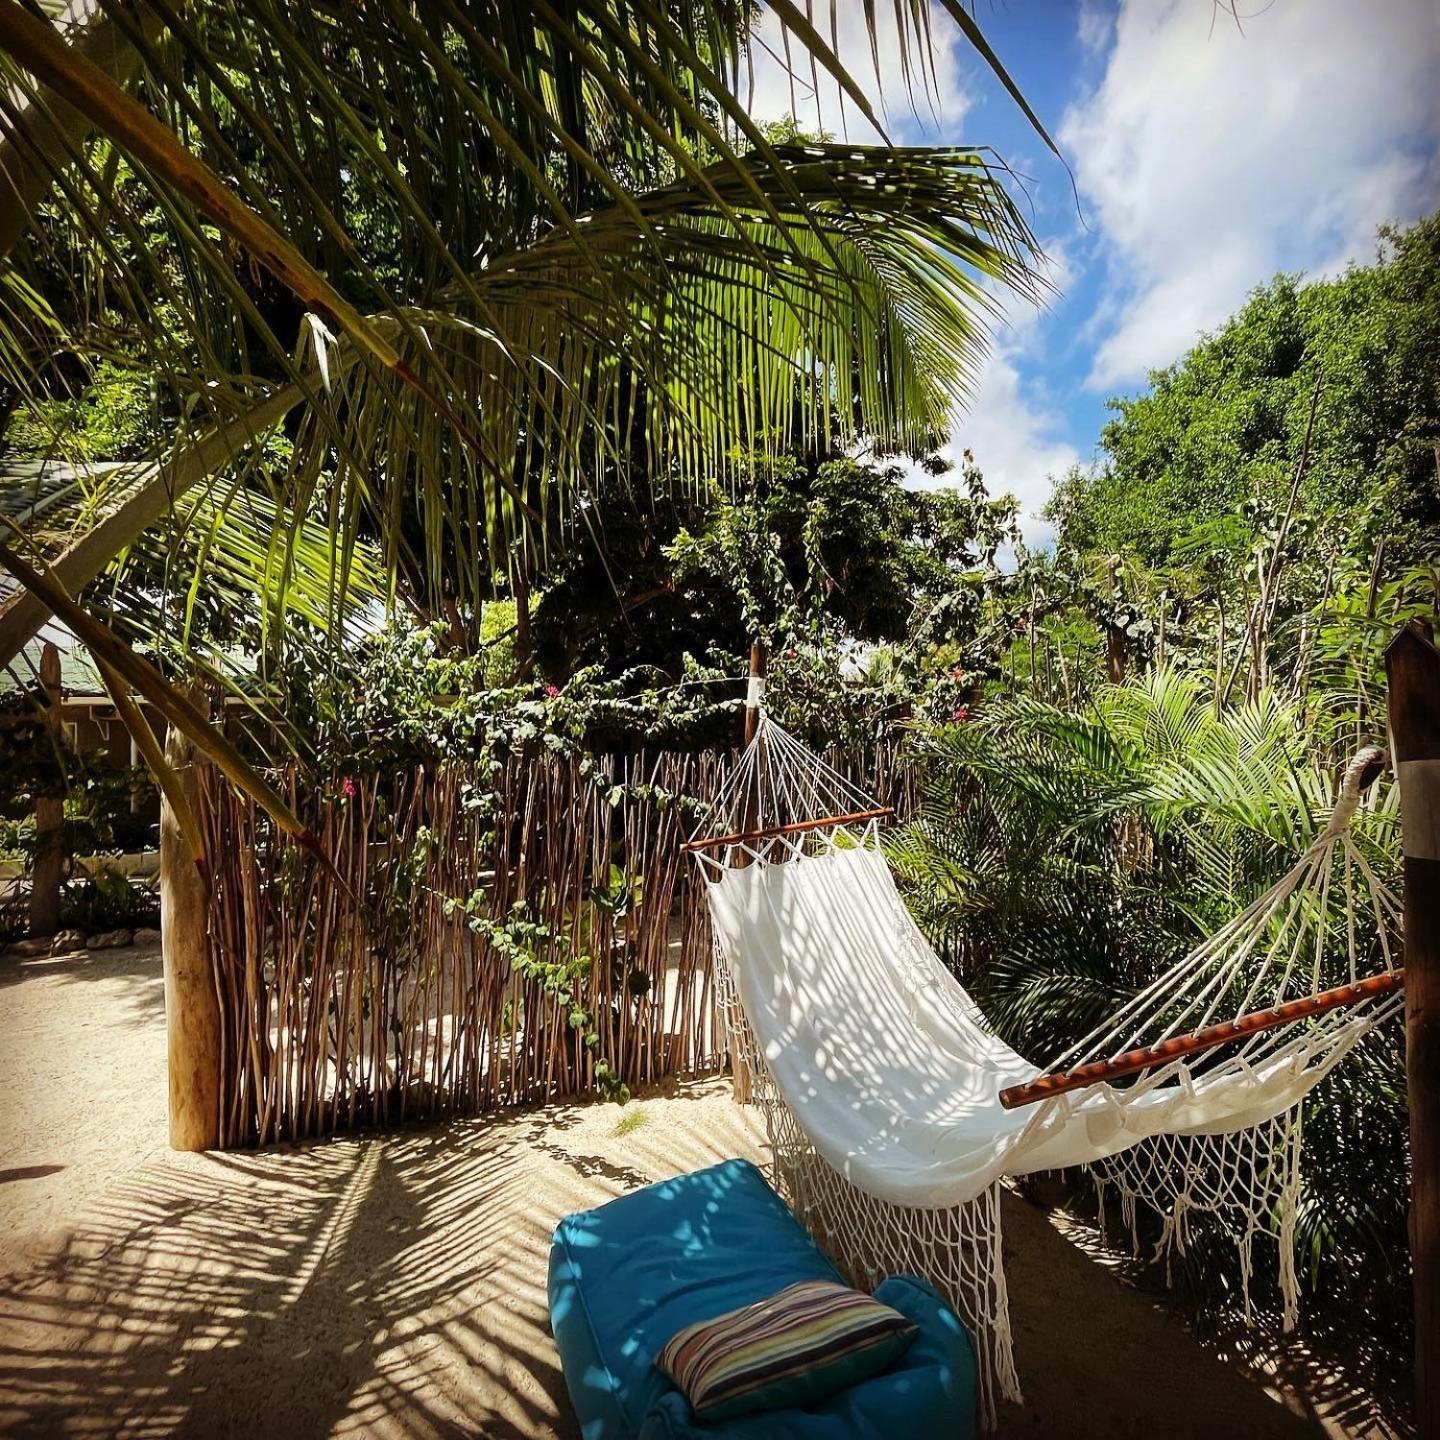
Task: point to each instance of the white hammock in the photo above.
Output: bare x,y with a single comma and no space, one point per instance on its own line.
880,1079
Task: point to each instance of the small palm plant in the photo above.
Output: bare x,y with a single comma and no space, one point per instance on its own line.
1063,860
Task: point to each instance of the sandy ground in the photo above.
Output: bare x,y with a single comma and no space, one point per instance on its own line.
394,1285
82,1085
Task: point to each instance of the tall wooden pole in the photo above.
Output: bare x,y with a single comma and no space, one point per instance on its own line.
48,876
750,820
750,817
1412,665
192,1008
755,696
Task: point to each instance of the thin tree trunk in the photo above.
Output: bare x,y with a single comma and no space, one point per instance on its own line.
1030,635
1219,647
1115,638
1115,657
48,876
742,1081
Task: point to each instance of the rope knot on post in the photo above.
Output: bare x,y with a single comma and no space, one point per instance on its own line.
1360,774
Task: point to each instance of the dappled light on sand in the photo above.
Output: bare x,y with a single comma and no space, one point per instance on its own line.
387,1285
395,1286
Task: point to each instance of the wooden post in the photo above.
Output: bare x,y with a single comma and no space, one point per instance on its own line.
1412,666
755,696
754,703
192,1008
792,827
48,875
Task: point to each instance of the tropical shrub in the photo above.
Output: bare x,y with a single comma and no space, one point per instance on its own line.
1064,858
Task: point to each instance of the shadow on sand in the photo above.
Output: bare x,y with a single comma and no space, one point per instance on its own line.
381,1286
395,1286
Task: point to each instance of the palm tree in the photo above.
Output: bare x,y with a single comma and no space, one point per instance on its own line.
401,280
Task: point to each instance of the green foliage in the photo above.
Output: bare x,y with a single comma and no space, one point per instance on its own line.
556,960
796,544
586,261
412,697
113,417
869,592
1266,512
1079,836
1063,858
104,899
37,763
99,815
497,637
629,1122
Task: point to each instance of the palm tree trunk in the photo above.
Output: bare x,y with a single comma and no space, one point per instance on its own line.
192,1008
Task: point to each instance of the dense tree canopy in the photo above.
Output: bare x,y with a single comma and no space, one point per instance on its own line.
1224,428
399,283
561,323
801,548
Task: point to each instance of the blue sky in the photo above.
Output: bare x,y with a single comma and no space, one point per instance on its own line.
1207,154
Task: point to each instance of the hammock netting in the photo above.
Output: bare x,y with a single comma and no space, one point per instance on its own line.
879,1079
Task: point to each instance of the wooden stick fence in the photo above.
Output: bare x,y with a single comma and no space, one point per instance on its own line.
481,942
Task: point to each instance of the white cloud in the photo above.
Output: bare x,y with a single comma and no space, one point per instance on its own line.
779,91
1013,439
1017,440
1094,25
1015,435
1210,156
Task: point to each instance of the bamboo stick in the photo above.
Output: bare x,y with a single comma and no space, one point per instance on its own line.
339,1011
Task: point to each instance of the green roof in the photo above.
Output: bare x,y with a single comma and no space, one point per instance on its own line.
78,675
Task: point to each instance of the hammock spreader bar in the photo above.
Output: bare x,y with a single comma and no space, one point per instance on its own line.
1146,1058
796,827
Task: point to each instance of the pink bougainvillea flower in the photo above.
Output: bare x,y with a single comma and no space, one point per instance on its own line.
962,712
551,691
347,788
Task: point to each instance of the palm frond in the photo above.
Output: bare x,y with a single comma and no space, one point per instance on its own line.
398,281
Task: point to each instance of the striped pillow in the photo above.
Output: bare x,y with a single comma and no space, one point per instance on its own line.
799,1346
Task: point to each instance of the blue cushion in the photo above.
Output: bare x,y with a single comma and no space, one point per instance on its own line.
626,1276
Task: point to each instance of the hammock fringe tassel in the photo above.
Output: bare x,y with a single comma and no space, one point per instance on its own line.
958,1249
